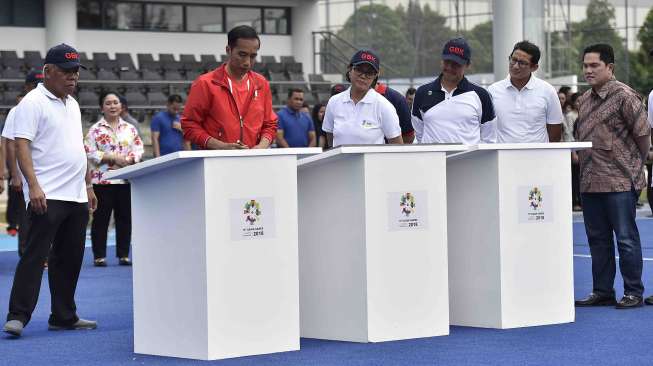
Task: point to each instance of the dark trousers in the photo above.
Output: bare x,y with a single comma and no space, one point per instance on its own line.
63,225
15,208
116,198
575,184
605,214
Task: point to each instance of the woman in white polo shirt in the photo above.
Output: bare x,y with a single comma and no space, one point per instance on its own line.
360,115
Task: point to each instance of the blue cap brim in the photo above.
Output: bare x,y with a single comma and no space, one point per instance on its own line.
70,65
457,59
366,62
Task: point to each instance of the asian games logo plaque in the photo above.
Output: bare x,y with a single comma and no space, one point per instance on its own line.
535,204
407,210
252,218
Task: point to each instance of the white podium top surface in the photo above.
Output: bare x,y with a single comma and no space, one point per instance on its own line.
182,157
525,146
375,149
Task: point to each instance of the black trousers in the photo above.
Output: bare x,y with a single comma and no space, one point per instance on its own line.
15,208
63,225
116,198
575,184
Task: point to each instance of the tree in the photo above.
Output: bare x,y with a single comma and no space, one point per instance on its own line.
480,41
380,28
599,27
427,33
641,67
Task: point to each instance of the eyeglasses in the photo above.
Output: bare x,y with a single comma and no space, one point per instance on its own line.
370,74
520,63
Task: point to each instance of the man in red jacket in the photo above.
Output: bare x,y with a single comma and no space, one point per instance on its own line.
231,106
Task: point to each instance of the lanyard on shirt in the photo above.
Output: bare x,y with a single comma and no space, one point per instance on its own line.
231,89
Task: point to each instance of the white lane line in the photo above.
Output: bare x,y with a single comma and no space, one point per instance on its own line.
617,257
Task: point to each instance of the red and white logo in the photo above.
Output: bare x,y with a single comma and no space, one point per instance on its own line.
71,56
457,50
368,57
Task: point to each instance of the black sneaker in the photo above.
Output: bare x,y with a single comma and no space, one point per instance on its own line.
649,300
629,302
597,300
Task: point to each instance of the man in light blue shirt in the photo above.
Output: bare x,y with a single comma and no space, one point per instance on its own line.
295,128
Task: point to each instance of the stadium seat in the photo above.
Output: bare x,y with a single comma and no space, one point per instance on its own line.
151,75
287,59
275,67
129,75
192,75
146,62
323,97
106,75
106,64
86,75
87,98
261,68
135,98
268,59
8,55
9,97
189,62
8,60
33,60
173,75
100,56
295,67
208,62
224,58
309,98
12,74
157,98
125,61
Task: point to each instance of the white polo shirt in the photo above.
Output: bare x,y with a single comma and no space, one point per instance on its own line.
650,109
8,128
57,144
367,122
522,115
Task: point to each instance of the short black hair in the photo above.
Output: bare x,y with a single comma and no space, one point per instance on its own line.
241,31
564,90
104,95
291,91
316,112
411,91
530,48
605,51
174,98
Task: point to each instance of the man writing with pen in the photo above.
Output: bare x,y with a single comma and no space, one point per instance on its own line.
231,106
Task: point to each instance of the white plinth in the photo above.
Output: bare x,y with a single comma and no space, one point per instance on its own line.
510,264
361,279
200,291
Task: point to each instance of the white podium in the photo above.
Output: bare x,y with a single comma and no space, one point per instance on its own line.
510,235
373,243
215,253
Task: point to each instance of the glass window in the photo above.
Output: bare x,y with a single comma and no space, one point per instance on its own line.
164,17
276,21
123,16
89,14
22,13
244,16
204,19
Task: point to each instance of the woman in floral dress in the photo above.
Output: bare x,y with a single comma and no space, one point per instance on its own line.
111,143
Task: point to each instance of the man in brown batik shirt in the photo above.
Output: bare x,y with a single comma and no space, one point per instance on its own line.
612,116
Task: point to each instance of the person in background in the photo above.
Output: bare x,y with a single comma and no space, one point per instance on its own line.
295,128
410,96
318,118
360,115
15,201
571,114
563,95
167,135
124,114
400,105
111,143
305,108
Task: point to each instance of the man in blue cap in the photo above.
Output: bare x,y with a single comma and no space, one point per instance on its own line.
58,192
452,109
